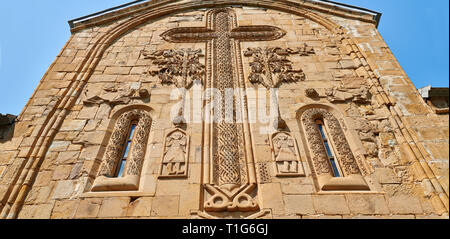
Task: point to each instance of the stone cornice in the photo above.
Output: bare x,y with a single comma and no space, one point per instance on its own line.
136,7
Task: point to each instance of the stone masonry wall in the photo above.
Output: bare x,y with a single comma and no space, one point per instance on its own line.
62,187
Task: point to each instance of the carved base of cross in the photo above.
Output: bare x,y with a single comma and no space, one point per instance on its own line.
237,201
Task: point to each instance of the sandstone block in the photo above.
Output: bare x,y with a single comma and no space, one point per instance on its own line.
65,209
367,204
73,125
62,172
331,204
404,204
295,188
88,208
68,157
114,207
64,189
272,197
142,207
163,206
299,204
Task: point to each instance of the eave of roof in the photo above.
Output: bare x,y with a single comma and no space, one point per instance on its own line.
135,6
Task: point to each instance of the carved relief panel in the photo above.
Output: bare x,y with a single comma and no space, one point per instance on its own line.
286,155
175,156
180,68
271,66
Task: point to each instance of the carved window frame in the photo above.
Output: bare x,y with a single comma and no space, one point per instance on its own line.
351,178
106,180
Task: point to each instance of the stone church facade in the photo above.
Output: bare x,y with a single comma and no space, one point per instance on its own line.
112,131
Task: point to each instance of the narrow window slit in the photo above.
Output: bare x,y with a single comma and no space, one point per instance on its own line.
126,150
330,154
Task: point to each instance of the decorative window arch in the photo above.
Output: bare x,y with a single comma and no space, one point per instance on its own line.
114,157
332,158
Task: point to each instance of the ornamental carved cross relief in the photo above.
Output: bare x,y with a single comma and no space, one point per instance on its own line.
231,182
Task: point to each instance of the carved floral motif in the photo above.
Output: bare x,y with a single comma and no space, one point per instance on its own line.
180,68
177,67
271,67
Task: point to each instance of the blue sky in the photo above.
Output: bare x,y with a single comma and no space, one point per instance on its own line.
33,32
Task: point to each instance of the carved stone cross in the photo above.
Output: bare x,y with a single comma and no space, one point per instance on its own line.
221,35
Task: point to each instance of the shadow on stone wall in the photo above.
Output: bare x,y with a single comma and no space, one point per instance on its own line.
6,127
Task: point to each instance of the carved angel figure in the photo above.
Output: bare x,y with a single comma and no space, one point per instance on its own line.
285,154
175,155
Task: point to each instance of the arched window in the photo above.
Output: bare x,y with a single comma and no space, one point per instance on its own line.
332,158
123,159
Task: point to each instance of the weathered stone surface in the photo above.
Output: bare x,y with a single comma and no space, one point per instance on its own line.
73,125
367,204
114,207
301,204
273,197
88,208
65,209
140,208
383,130
64,189
405,205
387,176
165,206
331,204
